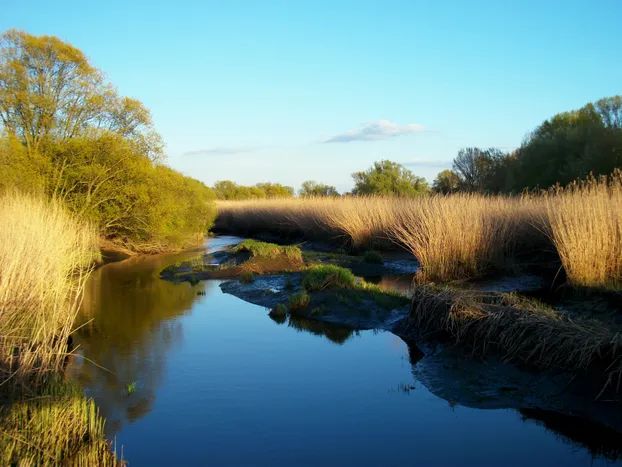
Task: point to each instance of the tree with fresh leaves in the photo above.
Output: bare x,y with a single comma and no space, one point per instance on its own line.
446,182
388,178
312,188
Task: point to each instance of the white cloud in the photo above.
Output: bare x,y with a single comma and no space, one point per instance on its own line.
376,130
218,151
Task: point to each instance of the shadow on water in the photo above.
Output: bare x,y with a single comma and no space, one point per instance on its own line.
599,440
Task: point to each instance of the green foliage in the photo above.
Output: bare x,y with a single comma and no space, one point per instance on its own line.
372,257
131,388
228,190
481,170
247,277
569,146
299,301
320,277
312,188
388,178
268,250
97,151
446,182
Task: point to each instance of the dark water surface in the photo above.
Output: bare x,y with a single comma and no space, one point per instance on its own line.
220,383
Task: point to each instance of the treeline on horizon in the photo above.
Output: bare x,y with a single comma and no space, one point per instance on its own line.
66,133
567,147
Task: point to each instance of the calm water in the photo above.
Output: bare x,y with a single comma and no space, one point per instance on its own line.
220,383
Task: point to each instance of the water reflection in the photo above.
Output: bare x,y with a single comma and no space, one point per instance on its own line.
222,371
128,324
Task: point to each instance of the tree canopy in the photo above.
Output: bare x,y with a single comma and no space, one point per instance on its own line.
228,190
67,133
313,188
388,178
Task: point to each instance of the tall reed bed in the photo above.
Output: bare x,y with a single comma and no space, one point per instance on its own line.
584,221
45,258
461,236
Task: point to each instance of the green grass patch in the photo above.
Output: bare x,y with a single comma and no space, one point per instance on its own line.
299,301
372,257
60,427
131,388
247,277
268,250
320,277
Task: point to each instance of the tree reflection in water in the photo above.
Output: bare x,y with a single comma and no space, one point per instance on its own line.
127,326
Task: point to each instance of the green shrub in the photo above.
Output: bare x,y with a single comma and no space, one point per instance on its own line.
299,301
320,277
372,257
268,250
247,277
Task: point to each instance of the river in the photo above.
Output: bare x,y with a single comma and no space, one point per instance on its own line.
218,382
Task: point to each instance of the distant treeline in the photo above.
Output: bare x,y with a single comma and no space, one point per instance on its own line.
568,146
66,133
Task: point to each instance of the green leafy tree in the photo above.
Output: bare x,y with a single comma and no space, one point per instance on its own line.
65,131
276,190
312,188
572,145
446,182
388,178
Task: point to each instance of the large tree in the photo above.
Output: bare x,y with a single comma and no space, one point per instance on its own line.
446,182
49,91
388,178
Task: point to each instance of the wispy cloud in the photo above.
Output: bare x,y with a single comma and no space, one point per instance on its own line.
428,163
218,151
376,130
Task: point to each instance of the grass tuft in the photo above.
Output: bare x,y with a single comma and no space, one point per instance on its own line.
299,301
247,277
320,277
372,257
269,250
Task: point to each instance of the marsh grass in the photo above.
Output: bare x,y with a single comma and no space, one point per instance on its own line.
519,329
46,256
320,277
269,250
298,301
247,277
60,427
584,221
463,236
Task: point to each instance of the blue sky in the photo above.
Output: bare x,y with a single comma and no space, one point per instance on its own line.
293,90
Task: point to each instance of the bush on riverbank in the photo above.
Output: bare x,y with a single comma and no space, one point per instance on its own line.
95,150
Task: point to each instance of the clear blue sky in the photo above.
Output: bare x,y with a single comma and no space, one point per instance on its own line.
293,90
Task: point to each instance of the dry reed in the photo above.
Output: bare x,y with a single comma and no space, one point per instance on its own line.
585,224
518,329
461,236
45,259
